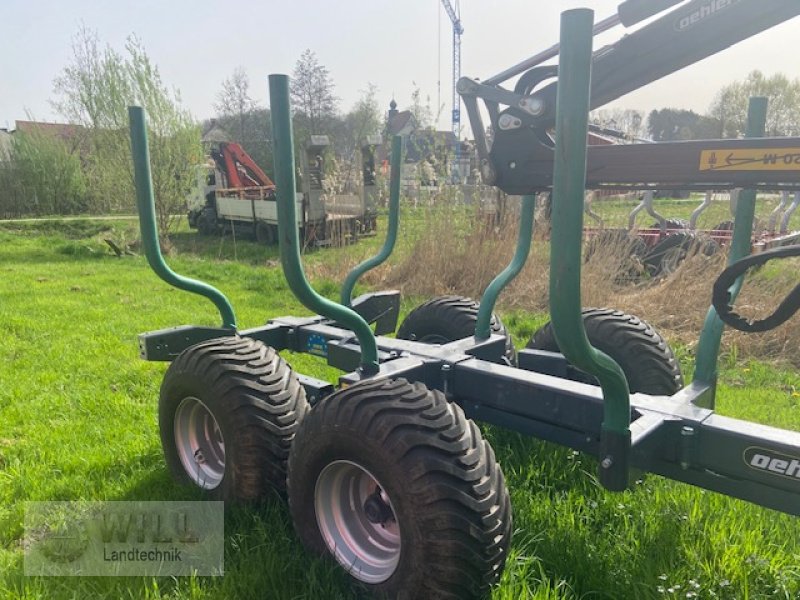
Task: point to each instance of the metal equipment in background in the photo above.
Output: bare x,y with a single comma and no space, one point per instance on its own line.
369,177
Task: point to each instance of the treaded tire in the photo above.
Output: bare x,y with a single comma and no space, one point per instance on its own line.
666,255
647,361
447,319
672,224
257,402
447,494
265,233
723,226
632,245
618,249
207,222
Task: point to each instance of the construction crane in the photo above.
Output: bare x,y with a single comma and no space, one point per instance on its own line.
455,17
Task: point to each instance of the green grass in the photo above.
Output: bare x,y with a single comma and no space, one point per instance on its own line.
78,421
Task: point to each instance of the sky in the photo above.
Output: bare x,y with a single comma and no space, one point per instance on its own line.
396,46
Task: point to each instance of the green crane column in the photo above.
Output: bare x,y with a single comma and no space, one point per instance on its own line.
391,230
569,176
483,323
287,229
147,222
711,336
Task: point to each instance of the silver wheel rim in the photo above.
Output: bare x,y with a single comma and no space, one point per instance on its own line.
199,442
368,548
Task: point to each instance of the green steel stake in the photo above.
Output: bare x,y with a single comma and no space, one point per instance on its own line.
391,232
147,222
711,336
569,175
484,321
287,229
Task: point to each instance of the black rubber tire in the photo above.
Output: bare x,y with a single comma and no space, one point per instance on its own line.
265,233
447,492
257,401
646,359
666,255
632,245
447,319
207,222
723,226
620,246
672,224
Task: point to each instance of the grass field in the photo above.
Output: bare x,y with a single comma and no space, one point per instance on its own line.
78,421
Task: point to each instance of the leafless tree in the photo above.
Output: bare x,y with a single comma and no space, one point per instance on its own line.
234,100
312,95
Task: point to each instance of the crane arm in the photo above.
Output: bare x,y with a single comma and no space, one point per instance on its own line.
241,170
451,12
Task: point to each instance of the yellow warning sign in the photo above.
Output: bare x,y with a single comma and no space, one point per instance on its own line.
752,159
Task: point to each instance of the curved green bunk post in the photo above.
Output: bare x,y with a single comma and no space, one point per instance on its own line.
569,176
391,231
710,337
483,323
287,230
147,222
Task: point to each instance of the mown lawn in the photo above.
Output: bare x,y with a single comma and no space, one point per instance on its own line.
78,421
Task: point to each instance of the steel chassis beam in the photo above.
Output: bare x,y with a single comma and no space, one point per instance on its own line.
670,436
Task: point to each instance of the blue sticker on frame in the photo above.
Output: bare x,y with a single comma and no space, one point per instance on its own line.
317,345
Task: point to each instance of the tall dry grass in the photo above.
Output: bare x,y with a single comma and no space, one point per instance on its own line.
459,250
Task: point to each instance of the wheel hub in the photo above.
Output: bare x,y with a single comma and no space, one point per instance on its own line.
377,510
357,521
199,442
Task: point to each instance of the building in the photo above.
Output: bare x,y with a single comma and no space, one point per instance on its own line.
75,137
432,153
5,145
65,131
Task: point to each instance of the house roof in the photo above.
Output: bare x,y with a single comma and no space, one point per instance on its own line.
65,131
5,144
404,120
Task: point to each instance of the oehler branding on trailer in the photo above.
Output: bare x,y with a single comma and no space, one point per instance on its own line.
772,462
704,12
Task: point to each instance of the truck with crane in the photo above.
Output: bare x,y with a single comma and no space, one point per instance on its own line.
231,191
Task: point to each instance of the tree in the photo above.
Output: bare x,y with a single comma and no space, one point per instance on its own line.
312,96
363,119
234,100
423,114
47,176
670,124
783,113
95,90
628,121
349,133
242,117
